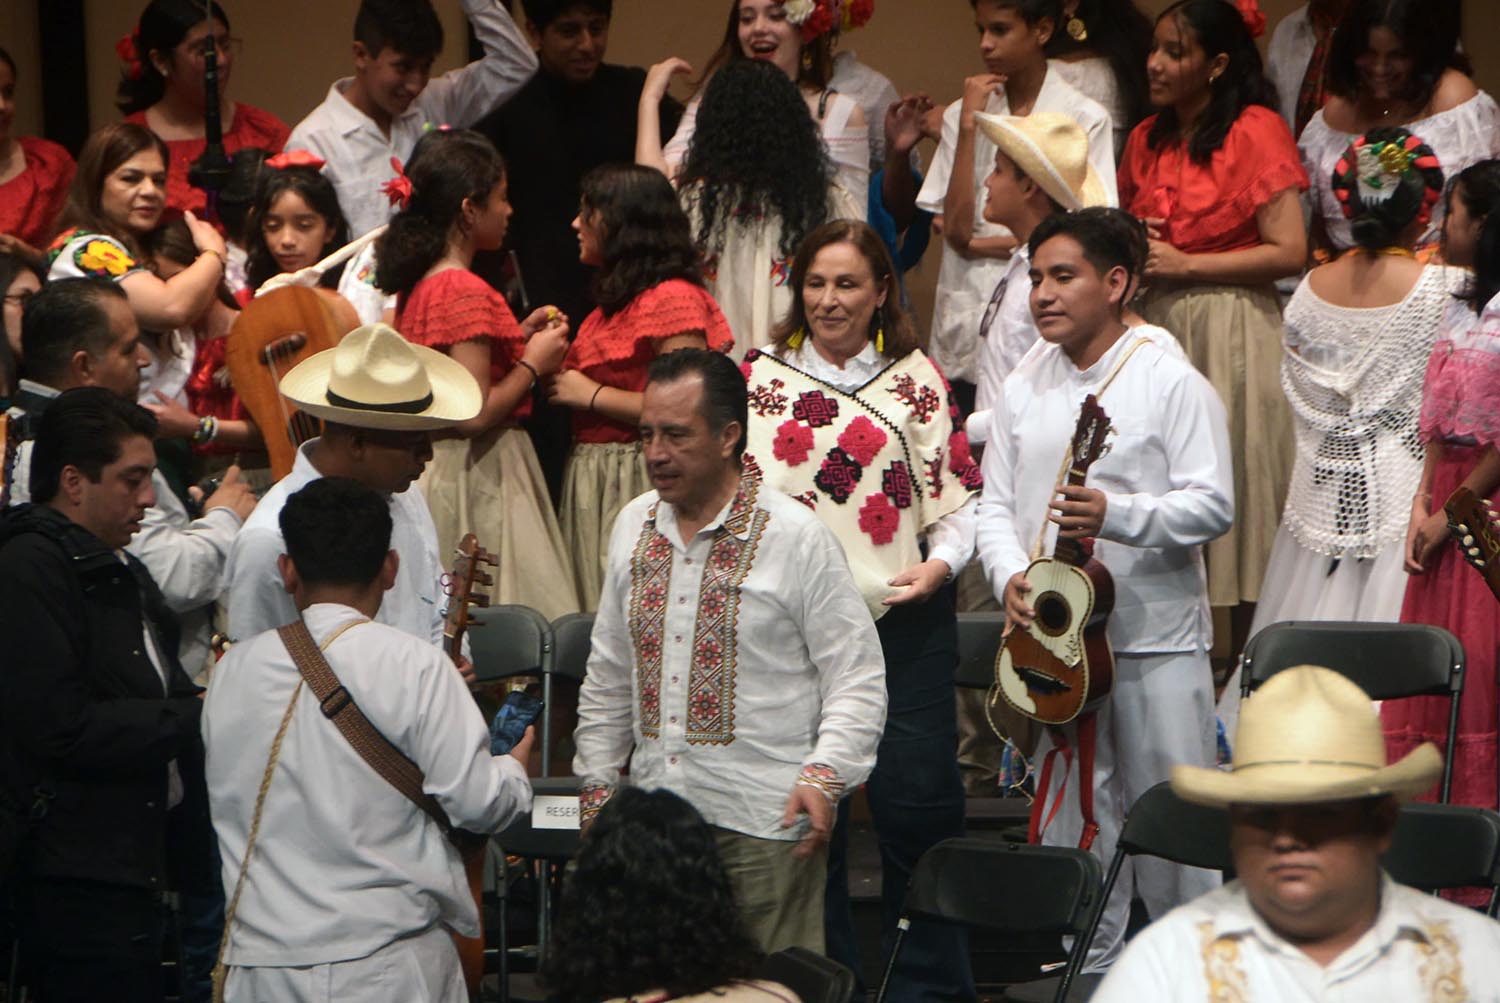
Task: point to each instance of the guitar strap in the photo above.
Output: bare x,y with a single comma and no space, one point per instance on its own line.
1087,743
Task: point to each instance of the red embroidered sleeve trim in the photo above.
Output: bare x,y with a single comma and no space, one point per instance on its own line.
456,306
664,311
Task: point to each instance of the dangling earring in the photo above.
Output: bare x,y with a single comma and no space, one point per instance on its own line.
1077,30
807,59
880,339
798,336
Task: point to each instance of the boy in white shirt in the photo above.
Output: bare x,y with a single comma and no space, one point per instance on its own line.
381,111
1016,81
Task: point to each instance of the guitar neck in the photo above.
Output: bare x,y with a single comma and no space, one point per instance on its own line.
1072,551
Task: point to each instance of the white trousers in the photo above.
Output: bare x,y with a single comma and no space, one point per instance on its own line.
1160,713
419,969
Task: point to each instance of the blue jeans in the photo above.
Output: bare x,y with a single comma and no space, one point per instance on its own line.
917,799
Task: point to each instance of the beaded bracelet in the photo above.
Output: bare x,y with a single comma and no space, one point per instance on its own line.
208,430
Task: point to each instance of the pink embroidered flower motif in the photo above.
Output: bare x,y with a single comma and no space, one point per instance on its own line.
653,596
659,550
650,697
792,443
711,603
896,483
703,708
862,440
838,475
923,401
879,519
816,409
766,399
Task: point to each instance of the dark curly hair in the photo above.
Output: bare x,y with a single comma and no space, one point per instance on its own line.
317,191
1428,30
756,152
815,66
648,906
1217,27
447,166
1377,223
1121,34
646,237
162,27
901,338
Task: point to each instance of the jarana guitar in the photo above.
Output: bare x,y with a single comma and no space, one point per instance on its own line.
462,596
1061,665
1475,527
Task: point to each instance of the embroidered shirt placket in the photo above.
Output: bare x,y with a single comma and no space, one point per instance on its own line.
688,566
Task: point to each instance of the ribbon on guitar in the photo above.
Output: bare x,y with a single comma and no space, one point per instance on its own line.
1088,736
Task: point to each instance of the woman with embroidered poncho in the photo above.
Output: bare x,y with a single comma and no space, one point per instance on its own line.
848,416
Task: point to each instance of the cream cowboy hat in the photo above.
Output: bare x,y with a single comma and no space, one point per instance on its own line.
1052,150
377,379
1309,735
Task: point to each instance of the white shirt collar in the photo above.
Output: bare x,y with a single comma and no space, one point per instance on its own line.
733,516
347,119
1396,918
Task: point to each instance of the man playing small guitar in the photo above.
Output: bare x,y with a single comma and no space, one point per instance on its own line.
1161,490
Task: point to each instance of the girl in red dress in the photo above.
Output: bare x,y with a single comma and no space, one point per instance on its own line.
34,178
161,87
651,300
485,479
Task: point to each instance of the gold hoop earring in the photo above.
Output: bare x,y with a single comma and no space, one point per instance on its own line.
1077,30
807,60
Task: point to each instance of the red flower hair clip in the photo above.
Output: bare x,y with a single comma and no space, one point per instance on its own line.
1251,14
398,189
129,51
295,158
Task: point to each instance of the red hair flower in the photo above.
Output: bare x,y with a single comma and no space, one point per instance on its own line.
857,13
819,22
130,55
295,158
398,189
1250,13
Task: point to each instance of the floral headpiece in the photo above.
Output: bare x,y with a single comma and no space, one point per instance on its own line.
295,158
1251,14
128,48
398,189
1370,172
816,18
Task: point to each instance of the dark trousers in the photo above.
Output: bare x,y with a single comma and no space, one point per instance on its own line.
917,799
88,941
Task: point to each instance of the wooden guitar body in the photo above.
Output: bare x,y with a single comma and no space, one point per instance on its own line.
1060,665
1475,528
271,335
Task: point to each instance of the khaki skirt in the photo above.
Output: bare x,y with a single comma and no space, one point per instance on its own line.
492,486
1233,335
601,479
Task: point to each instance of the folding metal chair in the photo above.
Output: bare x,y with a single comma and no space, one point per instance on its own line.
1386,660
1438,846
1005,887
814,978
978,642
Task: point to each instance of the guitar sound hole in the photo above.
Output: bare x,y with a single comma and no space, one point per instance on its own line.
1053,615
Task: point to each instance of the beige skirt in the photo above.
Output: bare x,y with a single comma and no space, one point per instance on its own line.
492,486
1233,336
601,479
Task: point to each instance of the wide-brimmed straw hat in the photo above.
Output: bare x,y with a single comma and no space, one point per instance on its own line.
375,378
1309,735
1052,150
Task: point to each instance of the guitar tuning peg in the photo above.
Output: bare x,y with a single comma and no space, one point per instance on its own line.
485,557
1479,563
479,599
1468,540
1461,527
484,578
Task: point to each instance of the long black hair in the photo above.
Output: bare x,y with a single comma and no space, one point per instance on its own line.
162,27
1428,30
648,906
1121,34
309,184
447,166
755,152
1217,27
1486,283
646,237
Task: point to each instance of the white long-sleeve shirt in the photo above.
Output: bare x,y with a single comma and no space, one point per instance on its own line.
1167,480
257,600
728,664
359,154
343,863
1011,331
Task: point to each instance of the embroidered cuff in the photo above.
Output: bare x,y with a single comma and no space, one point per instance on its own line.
825,778
592,797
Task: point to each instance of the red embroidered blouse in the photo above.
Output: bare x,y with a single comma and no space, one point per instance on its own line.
1210,208
617,350
456,305
31,201
251,127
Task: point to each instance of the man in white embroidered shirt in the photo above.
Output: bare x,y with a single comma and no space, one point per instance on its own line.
1312,805
734,662
351,889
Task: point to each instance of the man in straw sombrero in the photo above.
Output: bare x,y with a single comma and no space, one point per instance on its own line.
1312,805
380,398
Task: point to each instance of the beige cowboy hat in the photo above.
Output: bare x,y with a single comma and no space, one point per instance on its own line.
1052,150
375,378
1309,735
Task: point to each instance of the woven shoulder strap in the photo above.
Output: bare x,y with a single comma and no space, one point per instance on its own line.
339,707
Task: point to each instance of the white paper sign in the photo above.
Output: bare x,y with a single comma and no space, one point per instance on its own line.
549,811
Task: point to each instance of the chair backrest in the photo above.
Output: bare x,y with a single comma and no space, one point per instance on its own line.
1008,887
1445,846
571,644
1387,660
978,641
1161,824
510,640
814,978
